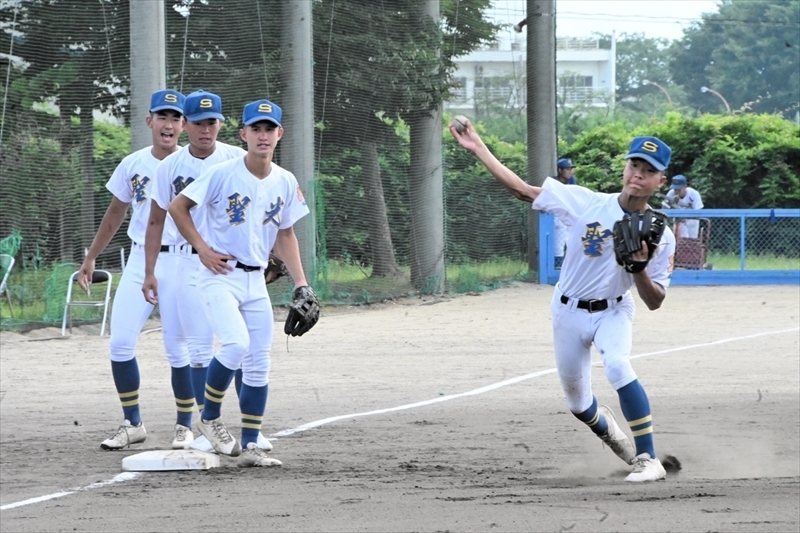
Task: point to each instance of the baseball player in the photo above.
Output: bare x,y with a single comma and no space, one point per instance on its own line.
204,118
592,302
250,205
564,173
681,196
131,184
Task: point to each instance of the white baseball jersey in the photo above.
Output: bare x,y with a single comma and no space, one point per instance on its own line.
244,213
692,200
175,173
590,270
132,183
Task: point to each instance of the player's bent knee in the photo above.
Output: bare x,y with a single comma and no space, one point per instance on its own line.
620,374
255,378
121,350
178,360
201,353
231,354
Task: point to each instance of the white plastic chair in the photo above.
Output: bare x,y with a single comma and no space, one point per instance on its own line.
98,276
6,264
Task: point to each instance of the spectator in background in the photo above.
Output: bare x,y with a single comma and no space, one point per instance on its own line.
564,170
681,196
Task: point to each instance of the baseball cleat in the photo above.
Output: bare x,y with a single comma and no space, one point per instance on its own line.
201,444
264,443
125,436
615,438
182,438
645,468
255,456
219,437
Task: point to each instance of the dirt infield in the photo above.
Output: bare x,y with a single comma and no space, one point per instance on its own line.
411,451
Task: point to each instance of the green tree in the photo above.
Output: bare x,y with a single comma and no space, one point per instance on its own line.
749,52
376,64
66,49
639,59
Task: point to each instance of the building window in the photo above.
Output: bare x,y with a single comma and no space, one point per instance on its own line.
575,88
493,88
459,91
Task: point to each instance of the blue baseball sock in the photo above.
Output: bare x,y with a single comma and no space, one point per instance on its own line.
217,382
592,418
199,374
184,394
252,403
237,381
127,380
636,408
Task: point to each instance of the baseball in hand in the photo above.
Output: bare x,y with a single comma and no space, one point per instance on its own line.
459,122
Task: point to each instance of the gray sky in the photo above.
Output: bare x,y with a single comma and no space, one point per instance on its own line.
579,18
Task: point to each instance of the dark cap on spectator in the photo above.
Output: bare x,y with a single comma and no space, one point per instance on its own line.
565,163
679,181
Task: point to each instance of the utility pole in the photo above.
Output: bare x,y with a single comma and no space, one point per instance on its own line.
148,64
297,102
541,85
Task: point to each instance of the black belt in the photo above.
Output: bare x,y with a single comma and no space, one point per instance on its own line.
166,247
246,268
592,306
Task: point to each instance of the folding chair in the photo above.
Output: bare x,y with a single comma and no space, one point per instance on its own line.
6,264
98,276
691,253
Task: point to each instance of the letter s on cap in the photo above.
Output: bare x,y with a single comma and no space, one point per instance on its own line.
205,103
171,98
650,146
264,108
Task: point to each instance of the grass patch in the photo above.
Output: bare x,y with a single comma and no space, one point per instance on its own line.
752,262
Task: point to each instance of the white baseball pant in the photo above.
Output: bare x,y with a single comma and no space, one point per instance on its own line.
240,312
574,331
196,327
130,310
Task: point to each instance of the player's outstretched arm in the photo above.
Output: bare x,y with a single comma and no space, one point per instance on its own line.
152,247
109,226
288,250
179,211
469,139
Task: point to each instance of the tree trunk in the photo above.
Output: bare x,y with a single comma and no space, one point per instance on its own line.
76,100
384,263
426,198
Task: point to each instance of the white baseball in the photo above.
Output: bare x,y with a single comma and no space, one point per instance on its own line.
459,122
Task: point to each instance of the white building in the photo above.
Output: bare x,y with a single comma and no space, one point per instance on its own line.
495,75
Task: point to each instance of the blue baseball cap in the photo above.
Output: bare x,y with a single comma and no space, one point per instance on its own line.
565,163
201,105
651,149
679,181
261,110
167,99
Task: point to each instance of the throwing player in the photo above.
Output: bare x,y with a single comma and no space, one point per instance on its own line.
592,302
131,184
250,205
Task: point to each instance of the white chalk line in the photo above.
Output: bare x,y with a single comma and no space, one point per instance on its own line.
119,478
127,476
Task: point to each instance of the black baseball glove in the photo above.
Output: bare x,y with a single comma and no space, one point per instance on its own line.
631,231
303,312
275,269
